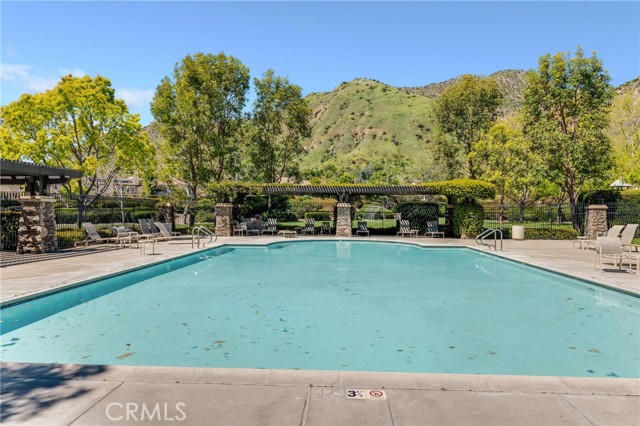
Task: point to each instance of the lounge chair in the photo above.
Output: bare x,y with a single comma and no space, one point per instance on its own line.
146,228
254,228
614,231
325,228
362,229
271,227
432,230
626,237
165,234
94,237
611,248
309,226
405,229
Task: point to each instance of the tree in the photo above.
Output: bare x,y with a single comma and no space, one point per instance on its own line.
566,106
503,157
80,125
199,113
624,131
464,111
281,118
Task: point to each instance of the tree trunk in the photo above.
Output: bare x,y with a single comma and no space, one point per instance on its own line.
521,206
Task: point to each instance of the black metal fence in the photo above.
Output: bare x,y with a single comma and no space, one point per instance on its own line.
548,216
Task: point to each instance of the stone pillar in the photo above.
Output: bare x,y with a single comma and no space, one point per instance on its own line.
37,226
224,219
343,220
596,220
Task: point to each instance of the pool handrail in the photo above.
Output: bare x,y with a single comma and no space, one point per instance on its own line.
197,232
488,233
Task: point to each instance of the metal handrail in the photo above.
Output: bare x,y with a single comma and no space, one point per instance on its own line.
488,233
197,232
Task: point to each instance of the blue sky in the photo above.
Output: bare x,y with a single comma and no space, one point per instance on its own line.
317,44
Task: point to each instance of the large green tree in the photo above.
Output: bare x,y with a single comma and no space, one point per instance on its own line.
200,113
566,110
80,125
464,111
504,158
624,131
281,118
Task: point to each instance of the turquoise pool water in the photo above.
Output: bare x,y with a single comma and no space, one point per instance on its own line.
335,305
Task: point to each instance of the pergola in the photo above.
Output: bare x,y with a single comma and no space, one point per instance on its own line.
37,230
344,192
36,178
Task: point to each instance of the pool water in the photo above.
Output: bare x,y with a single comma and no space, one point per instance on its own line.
336,305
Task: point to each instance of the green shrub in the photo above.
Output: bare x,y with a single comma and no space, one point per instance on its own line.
600,196
630,196
68,237
418,213
318,216
285,216
468,219
9,221
550,234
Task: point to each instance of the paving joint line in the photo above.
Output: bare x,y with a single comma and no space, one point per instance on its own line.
578,410
305,410
96,403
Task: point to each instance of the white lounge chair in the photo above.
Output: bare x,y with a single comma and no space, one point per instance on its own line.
614,231
626,237
405,229
610,248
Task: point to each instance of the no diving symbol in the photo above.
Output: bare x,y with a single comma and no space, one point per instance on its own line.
366,394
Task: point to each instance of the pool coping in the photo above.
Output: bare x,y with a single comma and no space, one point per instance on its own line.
323,378
79,283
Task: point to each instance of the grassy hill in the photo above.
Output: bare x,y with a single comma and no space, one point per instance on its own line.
368,123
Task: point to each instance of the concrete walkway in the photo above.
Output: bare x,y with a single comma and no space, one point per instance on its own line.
47,394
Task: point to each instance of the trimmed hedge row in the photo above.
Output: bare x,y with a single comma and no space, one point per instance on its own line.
550,234
468,219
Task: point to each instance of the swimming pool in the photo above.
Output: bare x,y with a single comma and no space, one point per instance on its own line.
335,305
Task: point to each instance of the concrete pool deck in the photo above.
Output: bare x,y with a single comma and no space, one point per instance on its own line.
72,394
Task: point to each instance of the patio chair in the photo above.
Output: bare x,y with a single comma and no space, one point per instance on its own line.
309,226
271,227
626,237
432,230
614,231
254,228
146,229
240,229
362,229
94,237
325,228
611,248
405,229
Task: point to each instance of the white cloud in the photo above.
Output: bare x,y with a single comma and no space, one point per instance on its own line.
31,80
14,72
76,72
135,97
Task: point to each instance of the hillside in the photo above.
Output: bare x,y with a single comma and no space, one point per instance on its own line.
511,82
365,123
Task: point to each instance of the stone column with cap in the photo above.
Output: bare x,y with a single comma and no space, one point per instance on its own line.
37,226
596,220
224,219
343,220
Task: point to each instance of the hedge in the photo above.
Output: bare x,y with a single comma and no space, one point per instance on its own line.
418,213
468,219
9,221
318,216
549,234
